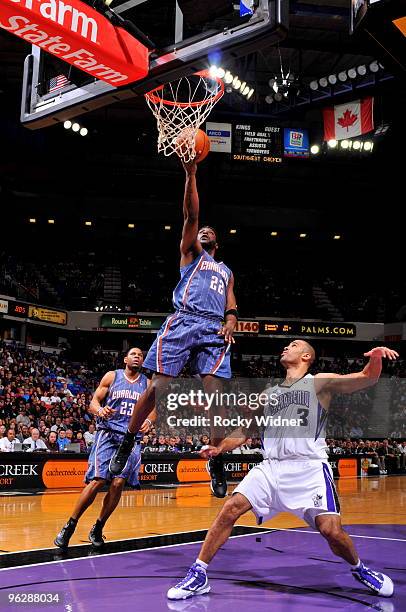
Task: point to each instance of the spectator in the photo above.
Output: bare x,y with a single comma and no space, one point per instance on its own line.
80,440
63,442
51,442
35,442
7,443
90,435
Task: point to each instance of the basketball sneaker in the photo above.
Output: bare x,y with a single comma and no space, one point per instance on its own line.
65,534
194,583
377,582
120,457
218,485
96,536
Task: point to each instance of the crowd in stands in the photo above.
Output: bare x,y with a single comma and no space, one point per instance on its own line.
44,400
78,282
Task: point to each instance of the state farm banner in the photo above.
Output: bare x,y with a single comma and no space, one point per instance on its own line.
348,120
77,34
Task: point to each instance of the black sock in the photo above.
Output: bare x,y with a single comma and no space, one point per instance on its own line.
101,523
72,522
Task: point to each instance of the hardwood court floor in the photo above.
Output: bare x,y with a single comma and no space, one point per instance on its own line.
30,522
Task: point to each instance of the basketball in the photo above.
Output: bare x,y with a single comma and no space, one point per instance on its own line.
202,145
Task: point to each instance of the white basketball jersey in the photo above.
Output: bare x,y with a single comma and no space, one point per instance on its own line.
296,403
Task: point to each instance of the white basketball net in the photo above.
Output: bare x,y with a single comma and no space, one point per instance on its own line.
180,108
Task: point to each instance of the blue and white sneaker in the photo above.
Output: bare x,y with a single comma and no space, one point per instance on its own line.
194,583
377,582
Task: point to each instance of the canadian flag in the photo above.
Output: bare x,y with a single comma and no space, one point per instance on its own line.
348,120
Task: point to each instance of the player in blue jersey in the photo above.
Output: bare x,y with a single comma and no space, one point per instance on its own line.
113,404
194,333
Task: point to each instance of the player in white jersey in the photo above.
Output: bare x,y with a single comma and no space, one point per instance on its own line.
295,475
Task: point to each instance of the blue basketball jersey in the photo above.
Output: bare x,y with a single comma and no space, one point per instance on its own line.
202,288
122,397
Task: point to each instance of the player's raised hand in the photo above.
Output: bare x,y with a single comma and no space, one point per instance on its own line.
382,351
146,426
206,452
227,331
106,412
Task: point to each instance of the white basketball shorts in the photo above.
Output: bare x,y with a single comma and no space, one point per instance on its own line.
304,488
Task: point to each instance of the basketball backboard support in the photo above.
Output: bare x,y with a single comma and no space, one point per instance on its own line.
188,36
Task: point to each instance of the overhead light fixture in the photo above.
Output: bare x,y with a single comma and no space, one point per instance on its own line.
368,145
278,96
272,82
51,221
243,86
221,73
233,231
344,144
96,308
323,82
167,227
88,223
131,225
246,90
302,235
314,85
314,149
83,131
75,127
32,220
337,237
357,145
213,71
332,79
274,233
269,99
332,143
374,66
67,125
352,73
342,76
228,78
250,93
362,70
236,83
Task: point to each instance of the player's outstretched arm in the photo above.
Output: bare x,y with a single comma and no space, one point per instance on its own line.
99,396
190,246
234,440
348,383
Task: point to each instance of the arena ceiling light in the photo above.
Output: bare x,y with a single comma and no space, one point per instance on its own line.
332,79
362,70
344,144
357,145
88,223
67,125
337,237
32,220
314,85
233,231
332,143
274,234
323,82
374,66
167,228
302,235
352,73
131,226
51,221
368,145
83,131
342,76
232,81
314,149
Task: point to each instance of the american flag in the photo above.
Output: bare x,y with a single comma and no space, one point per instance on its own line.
58,82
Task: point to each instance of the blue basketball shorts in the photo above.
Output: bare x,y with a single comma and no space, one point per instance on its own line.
186,337
103,448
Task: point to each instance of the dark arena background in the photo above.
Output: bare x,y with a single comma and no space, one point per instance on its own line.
304,185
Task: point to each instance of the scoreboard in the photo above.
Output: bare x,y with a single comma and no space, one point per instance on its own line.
257,142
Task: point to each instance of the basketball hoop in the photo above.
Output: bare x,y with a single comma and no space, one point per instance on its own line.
180,108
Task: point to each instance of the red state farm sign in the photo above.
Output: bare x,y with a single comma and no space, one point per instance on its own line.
79,35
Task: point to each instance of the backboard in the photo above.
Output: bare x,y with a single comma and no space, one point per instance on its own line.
186,36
